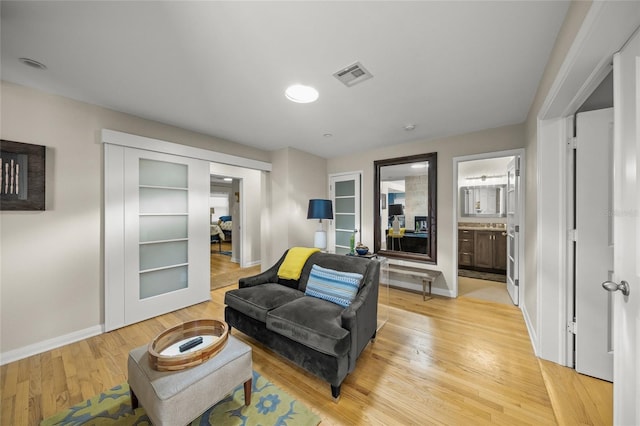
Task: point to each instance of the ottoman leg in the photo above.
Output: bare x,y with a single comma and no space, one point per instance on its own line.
134,400
247,392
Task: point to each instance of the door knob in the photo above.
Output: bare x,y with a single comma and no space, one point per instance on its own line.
611,286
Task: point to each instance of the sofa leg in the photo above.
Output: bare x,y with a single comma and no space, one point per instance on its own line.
373,338
335,392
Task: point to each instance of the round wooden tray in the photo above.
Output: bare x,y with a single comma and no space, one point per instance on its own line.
163,352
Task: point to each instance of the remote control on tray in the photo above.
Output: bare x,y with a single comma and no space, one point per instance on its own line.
190,344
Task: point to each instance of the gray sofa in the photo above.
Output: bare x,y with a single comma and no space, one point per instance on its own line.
322,337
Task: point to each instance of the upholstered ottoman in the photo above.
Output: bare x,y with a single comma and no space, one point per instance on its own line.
178,397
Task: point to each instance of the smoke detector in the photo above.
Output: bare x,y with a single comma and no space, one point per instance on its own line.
353,74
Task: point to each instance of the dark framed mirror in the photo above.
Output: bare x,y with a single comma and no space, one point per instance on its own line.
405,194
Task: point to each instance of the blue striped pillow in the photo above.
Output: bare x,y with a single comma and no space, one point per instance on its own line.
334,286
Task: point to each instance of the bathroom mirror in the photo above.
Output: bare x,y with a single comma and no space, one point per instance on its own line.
483,201
405,207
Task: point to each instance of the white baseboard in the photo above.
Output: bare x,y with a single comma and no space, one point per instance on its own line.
49,344
254,263
532,332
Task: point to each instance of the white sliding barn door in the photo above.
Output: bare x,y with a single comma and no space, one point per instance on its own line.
156,234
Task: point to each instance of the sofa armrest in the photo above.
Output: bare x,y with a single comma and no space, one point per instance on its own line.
361,317
268,276
262,278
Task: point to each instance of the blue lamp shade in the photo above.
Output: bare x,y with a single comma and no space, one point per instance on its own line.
320,209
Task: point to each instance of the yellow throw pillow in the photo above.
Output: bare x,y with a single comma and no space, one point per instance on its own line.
291,267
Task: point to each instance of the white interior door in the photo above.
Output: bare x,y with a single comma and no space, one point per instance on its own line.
626,217
162,216
594,243
156,234
513,229
345,193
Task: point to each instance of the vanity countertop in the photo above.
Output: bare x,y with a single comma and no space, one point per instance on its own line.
482,226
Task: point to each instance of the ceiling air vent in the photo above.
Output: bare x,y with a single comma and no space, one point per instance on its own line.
353,74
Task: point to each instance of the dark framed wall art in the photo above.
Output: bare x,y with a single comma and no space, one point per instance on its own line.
22,176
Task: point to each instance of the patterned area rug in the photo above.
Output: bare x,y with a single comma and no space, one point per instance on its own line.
270,405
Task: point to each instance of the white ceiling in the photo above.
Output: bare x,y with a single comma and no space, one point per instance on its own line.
221,68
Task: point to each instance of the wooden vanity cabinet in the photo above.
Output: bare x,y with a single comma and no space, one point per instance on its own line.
490,250
500,250
482,250
465,248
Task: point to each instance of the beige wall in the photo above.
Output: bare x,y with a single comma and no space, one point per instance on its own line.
492,140
52,270
297,176
573,20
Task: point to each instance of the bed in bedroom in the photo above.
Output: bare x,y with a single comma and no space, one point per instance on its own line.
226,224
221,231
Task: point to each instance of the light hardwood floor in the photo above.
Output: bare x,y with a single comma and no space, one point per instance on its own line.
224,272
444,361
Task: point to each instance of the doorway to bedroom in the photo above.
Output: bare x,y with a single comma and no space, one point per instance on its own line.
223,206
224,211
235,209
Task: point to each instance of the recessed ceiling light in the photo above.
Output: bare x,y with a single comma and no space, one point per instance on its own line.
33,63
409,127
328,135
301,94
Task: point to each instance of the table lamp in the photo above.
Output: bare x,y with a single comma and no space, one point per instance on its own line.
320,209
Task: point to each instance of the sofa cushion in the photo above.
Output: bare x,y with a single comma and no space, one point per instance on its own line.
343,263
313,322
258,300
334,286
